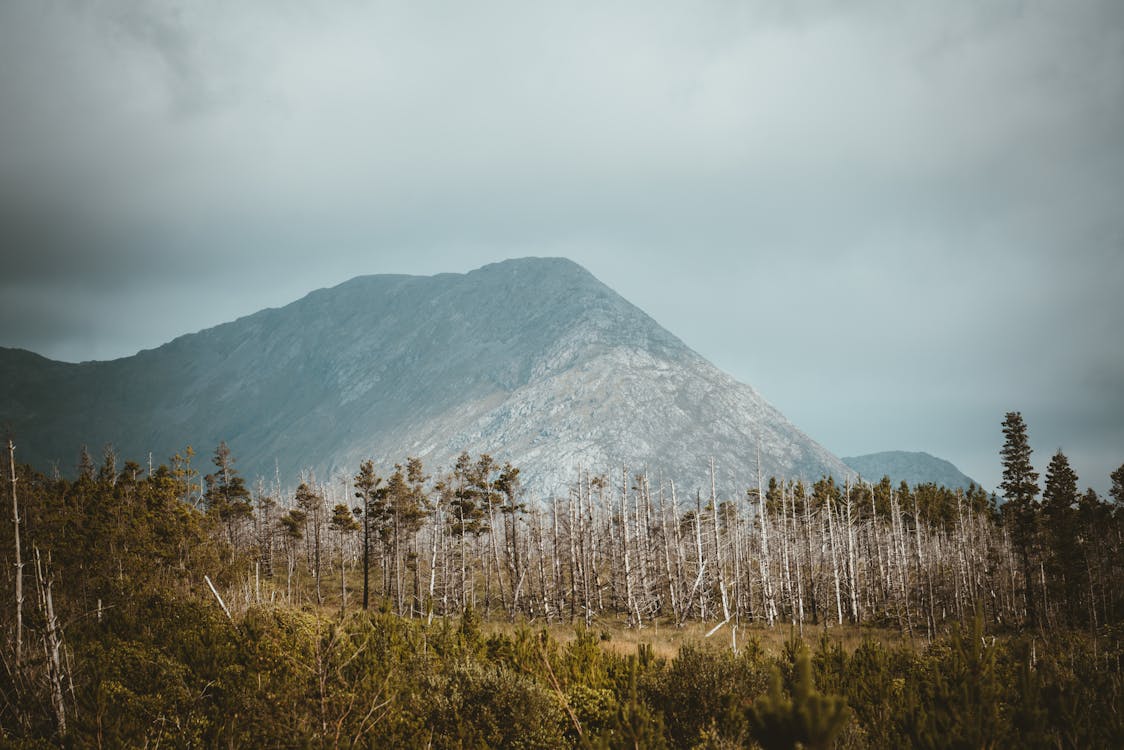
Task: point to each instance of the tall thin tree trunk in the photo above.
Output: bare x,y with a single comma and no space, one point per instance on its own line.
699,550
52,643
763,519
573,550
834,559
718,546
851,574
630,601
665,533
546,608
19,560
799,574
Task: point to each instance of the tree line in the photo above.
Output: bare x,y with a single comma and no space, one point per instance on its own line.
785,552
637,546
89,557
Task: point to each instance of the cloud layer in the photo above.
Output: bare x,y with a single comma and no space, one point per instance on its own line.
896,222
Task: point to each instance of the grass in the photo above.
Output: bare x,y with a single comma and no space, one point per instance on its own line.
666,640
661,634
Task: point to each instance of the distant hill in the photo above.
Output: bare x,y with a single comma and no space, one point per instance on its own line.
534,361
912,468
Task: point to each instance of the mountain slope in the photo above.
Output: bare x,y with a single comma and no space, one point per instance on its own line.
532,360
912,468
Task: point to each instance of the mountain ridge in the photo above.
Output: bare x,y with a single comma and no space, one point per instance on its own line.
532,359
912,467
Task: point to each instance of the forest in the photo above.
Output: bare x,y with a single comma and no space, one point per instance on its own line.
163,606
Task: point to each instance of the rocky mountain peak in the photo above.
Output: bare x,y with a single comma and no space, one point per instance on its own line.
533,360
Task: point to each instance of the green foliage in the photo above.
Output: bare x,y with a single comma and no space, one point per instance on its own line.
632,725
958,700
155,661
1020,487
702,692
480,705
807,719
227,496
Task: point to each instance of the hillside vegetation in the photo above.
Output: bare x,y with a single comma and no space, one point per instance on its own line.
160,610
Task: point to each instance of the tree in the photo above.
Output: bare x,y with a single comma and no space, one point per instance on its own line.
809,719
18,559
1058,500
409,507
1020,487
228,498
312,503
343,522
85,465
368,491
107,474
508,484
471,488
1117,491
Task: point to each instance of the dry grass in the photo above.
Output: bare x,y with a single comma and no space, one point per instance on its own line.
661,634
666,640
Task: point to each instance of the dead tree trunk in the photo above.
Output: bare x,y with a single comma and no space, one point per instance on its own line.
834,559
851,576
630,599
699,550
19,560
718,547
766,578
52,642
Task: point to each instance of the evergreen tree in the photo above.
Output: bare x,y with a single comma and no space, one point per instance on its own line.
1020,487
228,498
405,508
1058,500
1117,490
371,495
85,465
107,474
312,503
343,523
809,719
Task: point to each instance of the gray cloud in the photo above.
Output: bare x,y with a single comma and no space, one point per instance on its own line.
896,222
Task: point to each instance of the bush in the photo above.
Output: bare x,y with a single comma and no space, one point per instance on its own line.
485,706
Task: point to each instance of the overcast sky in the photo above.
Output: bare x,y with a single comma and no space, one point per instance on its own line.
896,220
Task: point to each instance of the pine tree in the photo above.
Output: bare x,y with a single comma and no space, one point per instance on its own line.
85,465
406,511
1117,491
809,719
1058,500
1020,487
228,498
312,503
342,522
368,491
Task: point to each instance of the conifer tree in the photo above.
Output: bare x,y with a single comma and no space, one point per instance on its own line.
1117,490
1058,500
405,509
809,719
228,498
1020,487
342,522
312,503
85,465
371,495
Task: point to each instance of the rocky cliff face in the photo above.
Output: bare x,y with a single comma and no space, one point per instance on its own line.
531,360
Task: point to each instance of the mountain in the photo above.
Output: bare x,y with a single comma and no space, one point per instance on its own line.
912,468
533,360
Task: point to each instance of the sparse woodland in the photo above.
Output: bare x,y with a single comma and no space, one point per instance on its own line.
183,607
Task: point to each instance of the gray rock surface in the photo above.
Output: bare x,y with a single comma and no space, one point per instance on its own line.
532,360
